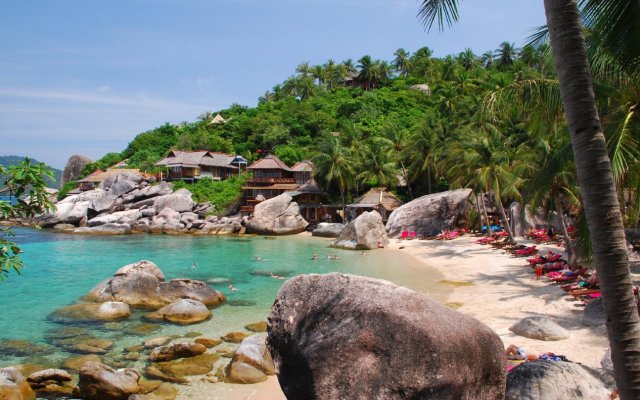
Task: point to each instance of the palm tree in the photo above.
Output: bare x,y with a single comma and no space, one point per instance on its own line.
376,167
401,62
304,69
487,59
334,164
319,73
593,166
467,59
506,54
367,72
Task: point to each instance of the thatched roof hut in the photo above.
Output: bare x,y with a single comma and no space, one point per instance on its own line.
378,199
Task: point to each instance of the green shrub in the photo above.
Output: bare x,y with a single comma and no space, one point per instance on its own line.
62,193
221,194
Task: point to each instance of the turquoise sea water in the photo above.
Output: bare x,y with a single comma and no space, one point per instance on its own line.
61,268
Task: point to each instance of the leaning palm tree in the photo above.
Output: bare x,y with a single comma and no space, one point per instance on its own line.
593,166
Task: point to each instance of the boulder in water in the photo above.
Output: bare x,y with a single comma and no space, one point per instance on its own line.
277,216
176,350
13,386
251,362
183,312
367,232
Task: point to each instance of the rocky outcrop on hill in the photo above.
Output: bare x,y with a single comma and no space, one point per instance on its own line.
143,284
277,216
429,215
126,203
366,232
73,168
339,336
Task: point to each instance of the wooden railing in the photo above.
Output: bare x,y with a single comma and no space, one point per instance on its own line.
272,180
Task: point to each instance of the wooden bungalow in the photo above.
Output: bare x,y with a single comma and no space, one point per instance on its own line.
303,172
378,199
195,165
309,198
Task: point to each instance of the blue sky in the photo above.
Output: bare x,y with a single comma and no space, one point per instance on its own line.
86,76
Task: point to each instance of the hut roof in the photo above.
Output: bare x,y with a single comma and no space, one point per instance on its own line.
269,162
193,159
303,166
217,120
378,196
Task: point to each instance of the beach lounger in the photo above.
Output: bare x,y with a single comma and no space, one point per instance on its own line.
526,251
404,235
412,235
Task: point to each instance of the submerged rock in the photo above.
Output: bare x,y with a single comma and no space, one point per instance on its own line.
176,350
75,363
366,232
277,216
23,348
429,215
182,312
551,380
339,336
108,311
177,370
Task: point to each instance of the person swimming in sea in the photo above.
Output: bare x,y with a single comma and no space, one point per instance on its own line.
232,288
195,265
257,258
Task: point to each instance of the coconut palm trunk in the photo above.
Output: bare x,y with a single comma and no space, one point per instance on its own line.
568,246
505,220
598,190
486,215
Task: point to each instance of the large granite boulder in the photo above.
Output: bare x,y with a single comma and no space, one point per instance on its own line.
551,380
277,216
73,168
178,370
119,217
540,328
326,229
179,201
429,215
101,382
122,187
143,284
13,386
251,362
366,232
67,213
175,351
183,312
110,181
339,336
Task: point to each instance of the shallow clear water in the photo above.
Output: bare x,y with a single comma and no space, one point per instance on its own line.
62,268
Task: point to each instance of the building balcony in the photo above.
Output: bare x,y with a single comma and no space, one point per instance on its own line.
270,181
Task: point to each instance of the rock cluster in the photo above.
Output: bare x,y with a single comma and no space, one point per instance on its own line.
339,336
126,203
143,284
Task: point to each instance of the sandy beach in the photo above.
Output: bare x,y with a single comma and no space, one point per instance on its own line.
492,286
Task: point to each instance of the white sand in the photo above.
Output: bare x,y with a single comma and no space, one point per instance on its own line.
504,290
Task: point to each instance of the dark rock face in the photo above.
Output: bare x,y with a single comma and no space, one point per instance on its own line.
429,215
72,169
554,381
101,382
339,336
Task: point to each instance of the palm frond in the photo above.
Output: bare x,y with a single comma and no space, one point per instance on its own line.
444,11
